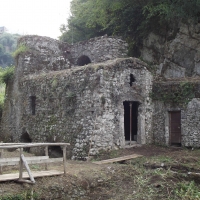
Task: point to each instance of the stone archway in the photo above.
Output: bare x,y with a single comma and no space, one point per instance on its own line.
83,60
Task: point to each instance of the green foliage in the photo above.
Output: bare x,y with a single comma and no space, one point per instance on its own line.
23,196
179,94
188,191
6,74
21,49
131,19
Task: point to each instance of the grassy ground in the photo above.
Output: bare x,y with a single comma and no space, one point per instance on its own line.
162,173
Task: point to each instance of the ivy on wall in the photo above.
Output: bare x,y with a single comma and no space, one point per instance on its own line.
179,94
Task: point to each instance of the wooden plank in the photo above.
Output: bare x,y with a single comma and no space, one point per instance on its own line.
117,159
30,160
36,161
14,146
9,177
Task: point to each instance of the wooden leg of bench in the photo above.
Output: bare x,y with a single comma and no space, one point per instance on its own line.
46,154
1,156
20,165
64,159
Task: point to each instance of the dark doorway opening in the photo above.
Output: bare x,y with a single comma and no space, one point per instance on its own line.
25,138
175,128
83,60
131,120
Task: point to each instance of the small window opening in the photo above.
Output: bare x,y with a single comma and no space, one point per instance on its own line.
83,60
33,104
132,79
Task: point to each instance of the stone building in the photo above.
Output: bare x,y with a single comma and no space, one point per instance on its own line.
91,95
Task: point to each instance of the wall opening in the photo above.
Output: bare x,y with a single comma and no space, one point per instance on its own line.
32,104
132,79
130,120
83,60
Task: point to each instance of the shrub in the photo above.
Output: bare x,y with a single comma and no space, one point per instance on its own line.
6,74
21,49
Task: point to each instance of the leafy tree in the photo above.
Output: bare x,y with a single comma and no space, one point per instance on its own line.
131,19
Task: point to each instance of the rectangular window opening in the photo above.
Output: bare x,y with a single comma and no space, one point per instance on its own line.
32,104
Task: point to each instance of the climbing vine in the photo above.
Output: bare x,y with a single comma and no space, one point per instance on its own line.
177,94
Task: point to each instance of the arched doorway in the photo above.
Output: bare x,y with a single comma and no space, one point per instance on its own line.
83,60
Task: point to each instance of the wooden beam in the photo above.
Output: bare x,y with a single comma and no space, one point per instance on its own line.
15,176
15,161
14,146
28,169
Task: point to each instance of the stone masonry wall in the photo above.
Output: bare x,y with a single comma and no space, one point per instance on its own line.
100,49
190,126
43,54
82,105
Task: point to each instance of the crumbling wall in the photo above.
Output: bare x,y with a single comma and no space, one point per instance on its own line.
100,49
82,105
43,54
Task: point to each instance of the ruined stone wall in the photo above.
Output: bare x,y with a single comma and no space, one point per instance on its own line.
43,54
100,49
82,105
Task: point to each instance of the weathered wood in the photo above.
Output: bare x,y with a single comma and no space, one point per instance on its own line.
117,159
27,168
1,156
25,181
20,164
15,176
64,159
15,162
26,145
46,154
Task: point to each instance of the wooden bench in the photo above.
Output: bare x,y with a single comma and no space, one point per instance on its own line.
22,161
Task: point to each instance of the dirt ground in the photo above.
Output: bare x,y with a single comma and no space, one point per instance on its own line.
162,173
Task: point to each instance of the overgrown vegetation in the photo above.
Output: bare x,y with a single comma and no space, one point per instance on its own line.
27,195
6,74
131,19
20,49
145,177
177,94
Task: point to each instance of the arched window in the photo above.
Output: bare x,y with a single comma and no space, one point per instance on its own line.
83,60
